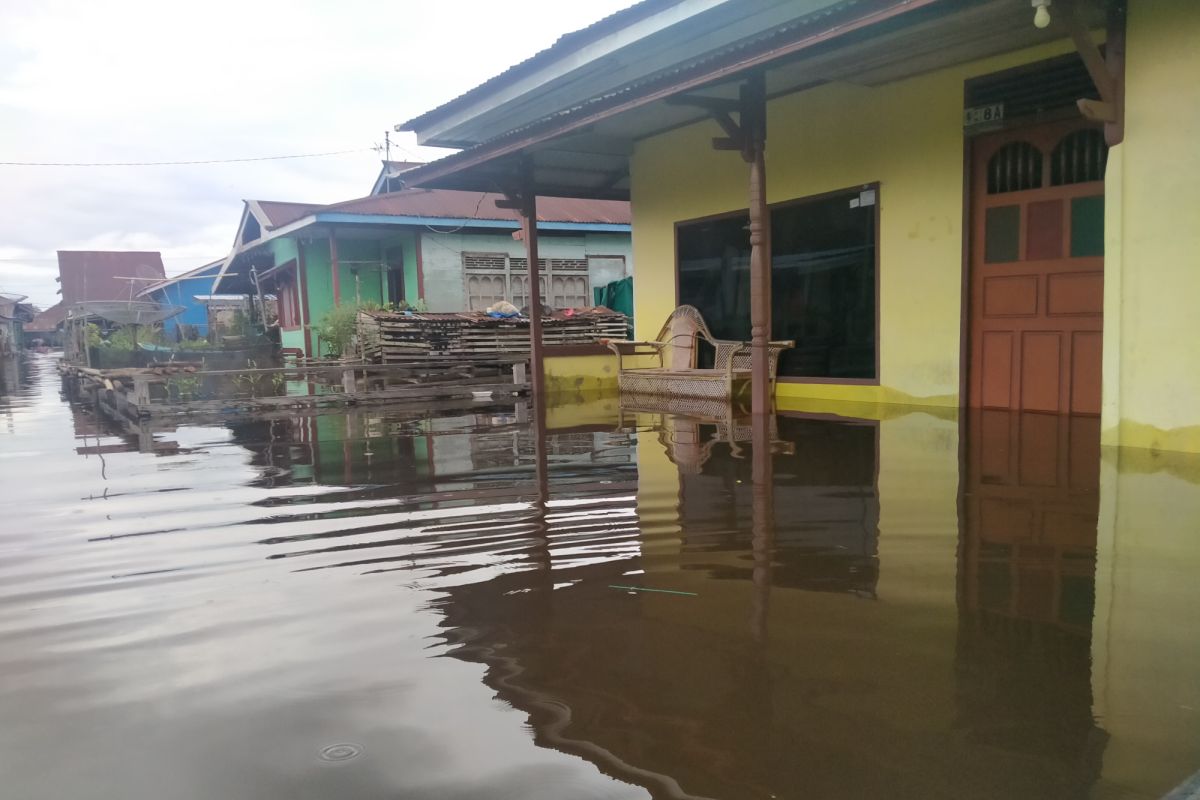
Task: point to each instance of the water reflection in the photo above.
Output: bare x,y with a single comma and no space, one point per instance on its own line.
621,604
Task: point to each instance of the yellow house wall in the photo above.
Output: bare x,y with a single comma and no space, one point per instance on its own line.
1152,269
908,137
580,375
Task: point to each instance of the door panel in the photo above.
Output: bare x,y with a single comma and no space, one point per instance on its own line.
1037,269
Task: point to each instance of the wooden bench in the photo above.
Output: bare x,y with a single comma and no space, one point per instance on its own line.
672,371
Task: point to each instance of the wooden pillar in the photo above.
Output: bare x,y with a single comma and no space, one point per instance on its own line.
333,268
528,211
754,138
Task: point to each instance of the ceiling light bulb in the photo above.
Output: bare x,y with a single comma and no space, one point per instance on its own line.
1041,17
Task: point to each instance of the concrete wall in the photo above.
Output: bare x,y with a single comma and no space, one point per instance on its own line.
441,258
908,137
1145,643
1152,269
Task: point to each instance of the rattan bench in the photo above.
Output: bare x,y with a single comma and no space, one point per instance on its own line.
672,370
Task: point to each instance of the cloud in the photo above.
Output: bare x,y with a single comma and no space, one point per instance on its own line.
135,80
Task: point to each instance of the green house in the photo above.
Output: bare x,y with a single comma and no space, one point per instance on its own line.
450,250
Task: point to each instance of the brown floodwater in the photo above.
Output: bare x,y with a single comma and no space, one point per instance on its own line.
393,605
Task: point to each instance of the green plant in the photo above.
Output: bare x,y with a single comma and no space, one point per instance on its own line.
338,328
92,332
183,387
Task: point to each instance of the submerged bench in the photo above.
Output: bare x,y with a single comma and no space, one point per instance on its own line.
672,357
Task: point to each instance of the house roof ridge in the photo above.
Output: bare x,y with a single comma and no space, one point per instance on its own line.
573,39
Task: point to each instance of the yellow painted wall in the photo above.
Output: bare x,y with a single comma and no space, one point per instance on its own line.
1152,269
908,137
586,375
1145,643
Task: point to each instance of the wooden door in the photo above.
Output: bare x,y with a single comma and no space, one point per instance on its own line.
1037,269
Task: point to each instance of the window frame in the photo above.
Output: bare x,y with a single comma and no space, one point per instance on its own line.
878,213
548,270
287,296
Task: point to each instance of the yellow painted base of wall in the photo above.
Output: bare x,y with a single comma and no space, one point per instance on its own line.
847,400
1155,441
589,375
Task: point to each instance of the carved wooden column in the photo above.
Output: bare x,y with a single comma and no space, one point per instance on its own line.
754,138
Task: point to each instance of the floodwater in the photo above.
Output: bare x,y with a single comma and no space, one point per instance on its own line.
373,605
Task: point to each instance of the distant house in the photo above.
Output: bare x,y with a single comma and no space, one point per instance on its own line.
97,275
189,291
14,315
454,251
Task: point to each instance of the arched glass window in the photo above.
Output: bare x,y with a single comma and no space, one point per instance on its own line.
1079,158
1015,167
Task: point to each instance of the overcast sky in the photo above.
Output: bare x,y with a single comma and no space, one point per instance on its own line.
125,80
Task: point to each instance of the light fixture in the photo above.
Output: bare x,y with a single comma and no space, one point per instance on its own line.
1041,17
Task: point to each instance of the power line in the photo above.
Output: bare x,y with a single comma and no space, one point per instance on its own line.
55,258
176,163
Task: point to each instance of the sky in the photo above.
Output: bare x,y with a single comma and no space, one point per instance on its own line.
126,80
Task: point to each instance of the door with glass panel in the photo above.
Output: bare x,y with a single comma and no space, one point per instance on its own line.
1037,269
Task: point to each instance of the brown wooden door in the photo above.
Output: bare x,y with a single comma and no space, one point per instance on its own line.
1037,269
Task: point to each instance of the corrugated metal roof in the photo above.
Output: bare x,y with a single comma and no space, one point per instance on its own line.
208,270
88,275
566,43
726,57
280,213
444,203
48,320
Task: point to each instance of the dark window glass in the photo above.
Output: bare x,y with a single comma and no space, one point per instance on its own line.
1002,237
823,282
1087,226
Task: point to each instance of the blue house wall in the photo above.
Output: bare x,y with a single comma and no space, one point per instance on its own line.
182,292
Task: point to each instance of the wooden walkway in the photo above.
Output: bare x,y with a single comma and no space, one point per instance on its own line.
138,394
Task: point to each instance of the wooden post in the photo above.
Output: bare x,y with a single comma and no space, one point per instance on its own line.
333,268
528,211
754,138
141,393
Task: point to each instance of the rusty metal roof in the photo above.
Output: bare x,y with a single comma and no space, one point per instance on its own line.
444,203
48,320
87,275
280,213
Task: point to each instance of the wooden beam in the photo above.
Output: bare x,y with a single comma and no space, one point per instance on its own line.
1114,52
1090,53
715,105
1097,110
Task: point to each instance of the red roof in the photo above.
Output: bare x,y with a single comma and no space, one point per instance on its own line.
281,213
446,203
98,274
48,320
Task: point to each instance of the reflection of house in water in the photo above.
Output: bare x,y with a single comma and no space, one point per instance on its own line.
826,511
413,452
844,696
1027,586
